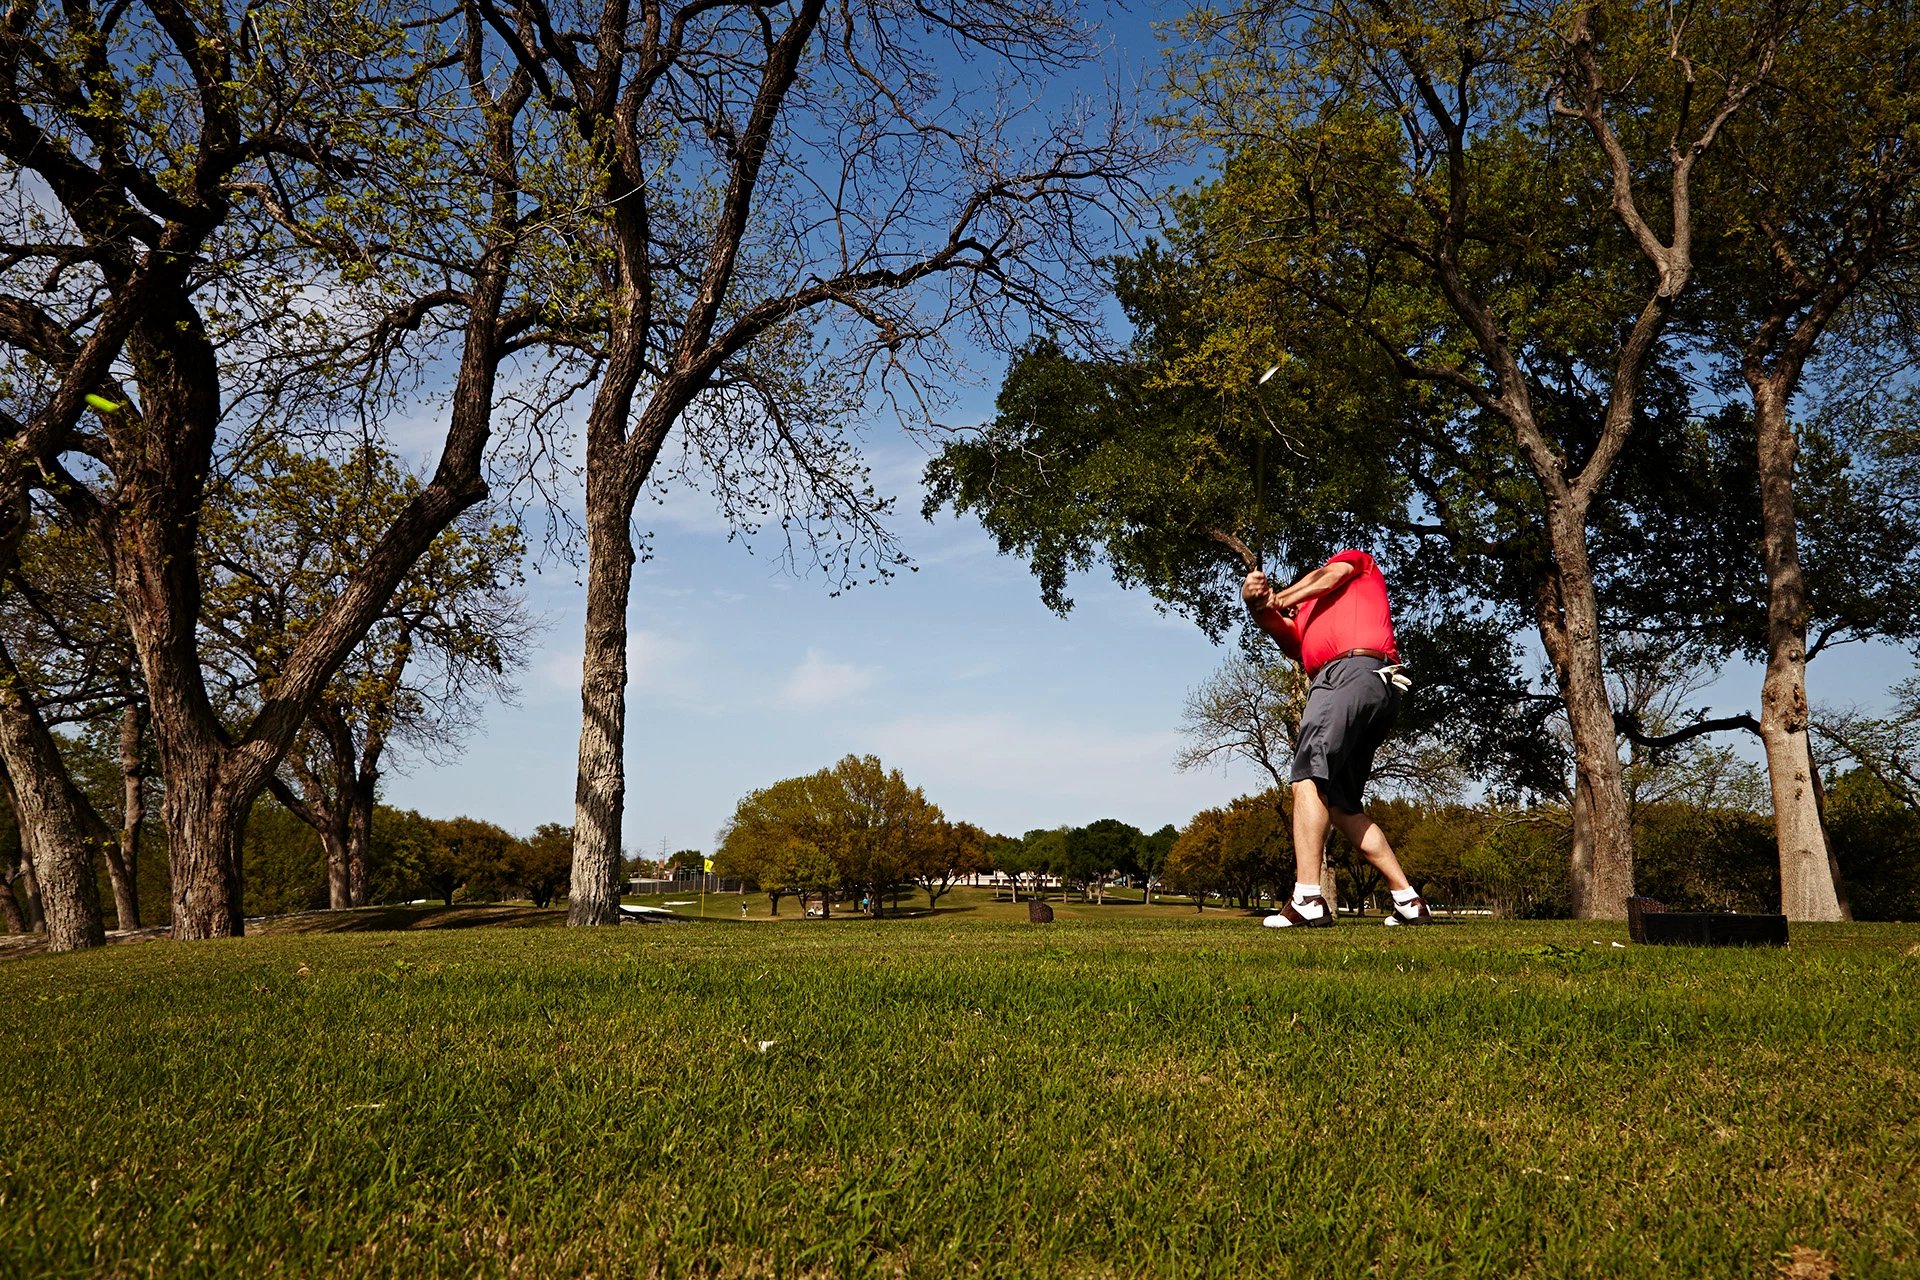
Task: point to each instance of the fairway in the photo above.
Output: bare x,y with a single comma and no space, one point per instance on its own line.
1174,1096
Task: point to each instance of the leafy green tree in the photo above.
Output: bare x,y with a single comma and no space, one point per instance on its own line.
1099,850
884,824
781,838
1151,855
539,865
1814,248
1237,851
281,544
1521,866
286,866
1043,853
949,851
242,206
468,856
1876,835
1399,174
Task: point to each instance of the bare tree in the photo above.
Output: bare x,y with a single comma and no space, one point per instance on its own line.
800,201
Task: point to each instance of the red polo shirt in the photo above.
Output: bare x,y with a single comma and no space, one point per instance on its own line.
1354,615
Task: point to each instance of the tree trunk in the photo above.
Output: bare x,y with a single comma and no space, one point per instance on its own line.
49,809
360,838
1807,889
1582,860
339,893
205,832
1569,620
125,868
599,797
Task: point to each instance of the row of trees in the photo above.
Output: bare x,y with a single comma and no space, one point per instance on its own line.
1592,321
718,230
288,868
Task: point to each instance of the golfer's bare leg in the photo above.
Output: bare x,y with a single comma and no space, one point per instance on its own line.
1367,837
1309,832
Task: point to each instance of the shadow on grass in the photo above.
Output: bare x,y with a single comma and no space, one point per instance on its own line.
394,918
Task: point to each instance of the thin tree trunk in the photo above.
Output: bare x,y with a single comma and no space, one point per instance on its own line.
1601,866
360,838
1581,862
125,868
600,789
49,809
1807,889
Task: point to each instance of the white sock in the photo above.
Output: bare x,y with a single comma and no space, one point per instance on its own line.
1303,890
1401,897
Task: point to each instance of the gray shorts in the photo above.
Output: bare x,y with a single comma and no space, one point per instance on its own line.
1350,711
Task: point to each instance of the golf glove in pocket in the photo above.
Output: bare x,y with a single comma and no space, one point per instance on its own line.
1396,675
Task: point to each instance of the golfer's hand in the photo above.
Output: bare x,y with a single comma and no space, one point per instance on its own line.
1256,591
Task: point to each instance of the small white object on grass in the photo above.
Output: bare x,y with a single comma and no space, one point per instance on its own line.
758,1046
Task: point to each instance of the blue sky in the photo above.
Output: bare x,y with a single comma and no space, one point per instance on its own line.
1008,715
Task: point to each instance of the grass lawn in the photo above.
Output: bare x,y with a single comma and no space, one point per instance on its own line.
1141,1093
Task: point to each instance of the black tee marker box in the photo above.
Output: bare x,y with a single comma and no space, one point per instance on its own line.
1650,921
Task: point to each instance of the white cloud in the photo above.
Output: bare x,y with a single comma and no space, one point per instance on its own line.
817,682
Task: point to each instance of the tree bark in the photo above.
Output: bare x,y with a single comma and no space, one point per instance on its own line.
1807,888
1609,876
52,822
600,787
1600,869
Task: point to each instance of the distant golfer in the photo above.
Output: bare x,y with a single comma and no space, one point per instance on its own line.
1335,622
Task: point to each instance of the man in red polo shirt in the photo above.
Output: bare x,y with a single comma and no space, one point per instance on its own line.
1336,623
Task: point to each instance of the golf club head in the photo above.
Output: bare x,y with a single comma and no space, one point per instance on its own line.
1268,374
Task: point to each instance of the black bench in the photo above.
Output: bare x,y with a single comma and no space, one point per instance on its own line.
1650,921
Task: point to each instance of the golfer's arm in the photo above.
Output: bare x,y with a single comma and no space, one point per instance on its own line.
1317,583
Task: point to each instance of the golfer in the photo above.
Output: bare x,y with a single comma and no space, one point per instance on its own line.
1335,622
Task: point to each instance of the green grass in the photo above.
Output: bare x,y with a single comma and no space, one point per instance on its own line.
1173,1096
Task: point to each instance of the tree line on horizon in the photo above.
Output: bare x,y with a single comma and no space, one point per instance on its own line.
1598,329
857,832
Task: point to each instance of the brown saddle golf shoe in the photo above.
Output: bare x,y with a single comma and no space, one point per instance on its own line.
1291,917
1414,912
